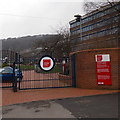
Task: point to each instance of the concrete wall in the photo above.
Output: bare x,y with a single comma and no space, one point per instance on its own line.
86,68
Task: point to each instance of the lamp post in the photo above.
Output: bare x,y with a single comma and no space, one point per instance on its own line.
78,19
46,50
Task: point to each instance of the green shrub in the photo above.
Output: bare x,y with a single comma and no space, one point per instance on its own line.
4,64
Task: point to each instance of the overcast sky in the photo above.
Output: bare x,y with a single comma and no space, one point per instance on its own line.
33,17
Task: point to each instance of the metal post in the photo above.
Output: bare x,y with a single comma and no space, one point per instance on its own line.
19,71
13,74
15,79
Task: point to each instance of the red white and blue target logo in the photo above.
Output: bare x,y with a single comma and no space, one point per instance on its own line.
46,63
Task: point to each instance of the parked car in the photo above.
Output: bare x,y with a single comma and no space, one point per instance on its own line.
6,74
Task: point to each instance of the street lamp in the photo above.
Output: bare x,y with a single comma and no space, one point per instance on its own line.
78,19
46,50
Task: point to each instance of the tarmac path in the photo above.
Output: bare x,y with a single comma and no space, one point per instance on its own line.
98,106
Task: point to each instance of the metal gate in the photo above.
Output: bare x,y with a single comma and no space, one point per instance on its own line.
7,59
35,78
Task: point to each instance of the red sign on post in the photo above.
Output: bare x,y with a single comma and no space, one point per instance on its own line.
103,69
46,63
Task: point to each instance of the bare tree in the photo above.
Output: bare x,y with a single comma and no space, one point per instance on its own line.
63,45
90,5
58,45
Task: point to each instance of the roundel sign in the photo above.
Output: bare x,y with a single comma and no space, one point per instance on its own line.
46,63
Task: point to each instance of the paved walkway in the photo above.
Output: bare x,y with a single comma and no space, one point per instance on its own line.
10,97
98,106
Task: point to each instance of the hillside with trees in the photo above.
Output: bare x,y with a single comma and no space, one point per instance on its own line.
23,43
57,45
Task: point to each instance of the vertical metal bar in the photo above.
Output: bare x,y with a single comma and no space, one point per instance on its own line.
15,78
73,61
13,81
19,71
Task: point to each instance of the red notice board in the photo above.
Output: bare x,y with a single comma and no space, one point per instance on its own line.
103,69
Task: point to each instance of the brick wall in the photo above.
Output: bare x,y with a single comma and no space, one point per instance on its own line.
86,68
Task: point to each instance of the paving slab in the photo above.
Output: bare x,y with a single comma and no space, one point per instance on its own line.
10,97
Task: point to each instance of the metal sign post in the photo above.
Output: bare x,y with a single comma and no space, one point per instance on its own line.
46,63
